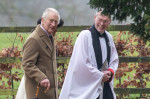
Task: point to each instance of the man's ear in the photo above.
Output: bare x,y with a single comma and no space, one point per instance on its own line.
42,20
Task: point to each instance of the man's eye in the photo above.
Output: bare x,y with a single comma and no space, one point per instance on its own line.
51,20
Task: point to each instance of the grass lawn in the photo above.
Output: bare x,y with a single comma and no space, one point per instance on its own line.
10,39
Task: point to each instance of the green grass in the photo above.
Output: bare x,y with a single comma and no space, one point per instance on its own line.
10,39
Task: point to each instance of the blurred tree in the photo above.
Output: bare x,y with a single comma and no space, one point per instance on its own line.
138,10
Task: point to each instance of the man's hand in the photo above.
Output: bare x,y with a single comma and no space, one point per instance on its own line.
45,83
107,75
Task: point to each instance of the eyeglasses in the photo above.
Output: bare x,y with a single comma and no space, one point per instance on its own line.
52,20
104,21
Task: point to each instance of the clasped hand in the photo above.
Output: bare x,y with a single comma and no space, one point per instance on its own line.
107,75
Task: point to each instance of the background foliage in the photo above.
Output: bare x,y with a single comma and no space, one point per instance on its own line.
126,44
136,74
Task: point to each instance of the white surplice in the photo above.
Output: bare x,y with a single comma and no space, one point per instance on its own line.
83,80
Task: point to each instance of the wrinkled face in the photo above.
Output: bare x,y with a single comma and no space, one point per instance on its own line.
50,23
101,22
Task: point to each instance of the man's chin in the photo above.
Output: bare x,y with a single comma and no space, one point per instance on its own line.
50,32
101,31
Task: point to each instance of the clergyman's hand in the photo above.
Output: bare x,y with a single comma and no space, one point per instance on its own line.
107,75
45,83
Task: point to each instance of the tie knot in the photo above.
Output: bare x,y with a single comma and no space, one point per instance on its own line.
50,36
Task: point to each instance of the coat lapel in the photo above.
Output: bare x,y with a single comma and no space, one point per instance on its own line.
44,38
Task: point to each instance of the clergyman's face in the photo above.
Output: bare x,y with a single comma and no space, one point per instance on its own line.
50,23
101,22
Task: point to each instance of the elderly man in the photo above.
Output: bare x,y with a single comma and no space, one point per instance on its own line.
93,64
39,58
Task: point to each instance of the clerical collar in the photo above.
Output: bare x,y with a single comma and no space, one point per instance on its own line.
44,30
102,35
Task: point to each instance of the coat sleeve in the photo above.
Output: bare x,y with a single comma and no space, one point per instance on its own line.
29,60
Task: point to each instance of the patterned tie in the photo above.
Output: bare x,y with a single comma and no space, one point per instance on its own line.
51,38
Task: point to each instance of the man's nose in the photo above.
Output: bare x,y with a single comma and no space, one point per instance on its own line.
53,23
102,23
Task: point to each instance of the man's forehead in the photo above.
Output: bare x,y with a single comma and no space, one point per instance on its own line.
102,16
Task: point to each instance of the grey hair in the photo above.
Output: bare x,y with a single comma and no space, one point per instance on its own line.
45,13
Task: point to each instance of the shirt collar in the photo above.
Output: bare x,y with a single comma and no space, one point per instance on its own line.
44,30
